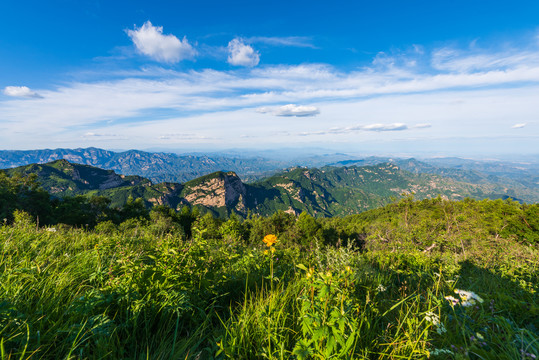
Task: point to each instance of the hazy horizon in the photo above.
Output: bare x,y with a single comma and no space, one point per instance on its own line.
304,153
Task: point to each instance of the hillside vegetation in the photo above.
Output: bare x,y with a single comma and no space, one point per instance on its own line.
414,279
328,191
169,167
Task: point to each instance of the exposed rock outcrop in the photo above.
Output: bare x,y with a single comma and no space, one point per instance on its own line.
216,190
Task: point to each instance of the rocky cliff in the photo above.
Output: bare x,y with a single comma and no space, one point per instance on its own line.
216,190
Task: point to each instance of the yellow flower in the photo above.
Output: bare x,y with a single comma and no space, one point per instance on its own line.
269,240
272,250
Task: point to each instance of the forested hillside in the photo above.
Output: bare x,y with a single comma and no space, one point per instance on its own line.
328,191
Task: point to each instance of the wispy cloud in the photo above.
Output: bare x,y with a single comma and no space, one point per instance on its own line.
150,41
93,134
21,91
459,61
422,126
293,41
184,136
384,127
356,128
519,126
241,54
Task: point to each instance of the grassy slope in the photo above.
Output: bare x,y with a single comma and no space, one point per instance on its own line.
140,291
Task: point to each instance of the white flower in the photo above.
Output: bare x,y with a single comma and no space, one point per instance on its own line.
468,296
381,288
467,303
452,300
434,319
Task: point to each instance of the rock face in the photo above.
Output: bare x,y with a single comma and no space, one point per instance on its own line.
168,194
216,190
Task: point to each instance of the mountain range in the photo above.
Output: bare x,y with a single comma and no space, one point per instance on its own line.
325,191
158,167
252,165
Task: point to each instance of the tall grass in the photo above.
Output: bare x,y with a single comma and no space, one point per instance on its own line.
137,294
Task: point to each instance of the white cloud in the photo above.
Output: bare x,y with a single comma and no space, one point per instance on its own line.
240,54
297,110
101,136
21,91
290,110
519,126
264,110
385,127
150,41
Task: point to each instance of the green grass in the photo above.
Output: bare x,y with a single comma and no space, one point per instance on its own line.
147,293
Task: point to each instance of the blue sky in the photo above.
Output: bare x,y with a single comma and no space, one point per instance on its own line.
387,77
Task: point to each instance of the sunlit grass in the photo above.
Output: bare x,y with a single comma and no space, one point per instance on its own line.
135,294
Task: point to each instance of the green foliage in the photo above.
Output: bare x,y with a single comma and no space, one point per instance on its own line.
327,318
325,192
169,284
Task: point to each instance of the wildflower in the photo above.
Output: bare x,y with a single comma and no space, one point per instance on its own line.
381,288
468,303
492,306
452,300
310,272
468,296
434,319
270,240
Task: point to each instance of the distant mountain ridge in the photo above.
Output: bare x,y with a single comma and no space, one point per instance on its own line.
508,178
158,167
250,166
327,191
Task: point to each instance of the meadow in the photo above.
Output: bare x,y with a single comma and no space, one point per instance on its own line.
413,280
